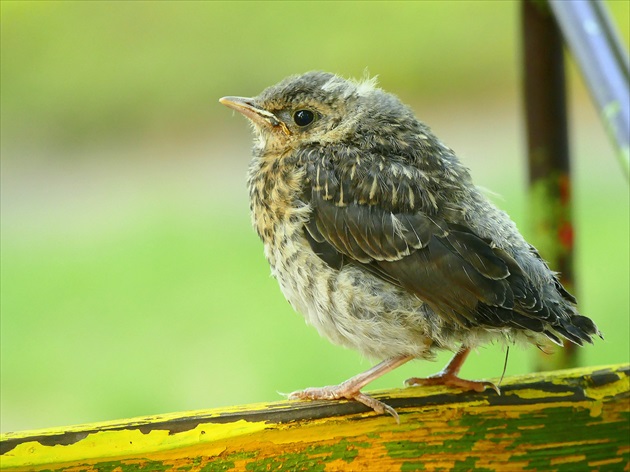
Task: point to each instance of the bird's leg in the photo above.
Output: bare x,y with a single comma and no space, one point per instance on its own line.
351,388
448,376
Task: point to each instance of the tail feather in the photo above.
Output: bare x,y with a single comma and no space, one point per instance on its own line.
577,329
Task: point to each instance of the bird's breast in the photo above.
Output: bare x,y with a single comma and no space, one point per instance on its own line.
348,306
275,186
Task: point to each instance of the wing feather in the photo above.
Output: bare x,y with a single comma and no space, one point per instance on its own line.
463,277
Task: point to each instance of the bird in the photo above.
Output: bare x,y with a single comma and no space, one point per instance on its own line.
378,236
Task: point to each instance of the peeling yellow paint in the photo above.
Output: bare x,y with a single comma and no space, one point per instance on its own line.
567,459
531,393
612,460
596,409
128,442
609,389
537,426
558,444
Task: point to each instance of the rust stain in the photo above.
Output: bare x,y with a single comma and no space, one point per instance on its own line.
565,235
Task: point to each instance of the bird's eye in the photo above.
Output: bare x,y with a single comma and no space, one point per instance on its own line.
303,117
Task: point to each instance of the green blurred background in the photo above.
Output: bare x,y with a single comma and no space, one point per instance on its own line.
132,283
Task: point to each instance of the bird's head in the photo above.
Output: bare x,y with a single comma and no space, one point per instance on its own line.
315,108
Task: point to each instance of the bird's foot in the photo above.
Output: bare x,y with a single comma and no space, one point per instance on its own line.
351,388
451,380
341,391
448,376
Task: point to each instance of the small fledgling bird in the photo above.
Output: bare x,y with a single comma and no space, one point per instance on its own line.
377,235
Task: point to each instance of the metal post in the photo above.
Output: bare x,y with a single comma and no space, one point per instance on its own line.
548,151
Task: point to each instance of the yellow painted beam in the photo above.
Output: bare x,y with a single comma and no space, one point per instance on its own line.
576,419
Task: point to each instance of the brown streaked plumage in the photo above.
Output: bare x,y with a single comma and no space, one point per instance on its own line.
377,235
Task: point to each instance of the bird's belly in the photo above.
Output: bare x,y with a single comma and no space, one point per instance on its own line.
351,307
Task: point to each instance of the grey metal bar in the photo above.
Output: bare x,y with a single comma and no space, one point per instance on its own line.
603,61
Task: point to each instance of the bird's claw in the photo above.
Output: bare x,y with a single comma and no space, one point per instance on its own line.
337,392
452,380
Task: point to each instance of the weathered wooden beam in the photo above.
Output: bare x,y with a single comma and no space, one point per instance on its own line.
575,419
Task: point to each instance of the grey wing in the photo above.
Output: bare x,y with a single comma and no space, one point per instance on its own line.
461,276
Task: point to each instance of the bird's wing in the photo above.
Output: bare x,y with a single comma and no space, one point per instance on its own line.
462,276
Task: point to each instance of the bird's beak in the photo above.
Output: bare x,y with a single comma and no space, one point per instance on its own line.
256,114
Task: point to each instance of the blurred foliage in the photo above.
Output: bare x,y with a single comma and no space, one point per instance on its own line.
76,70
131,281
79,71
